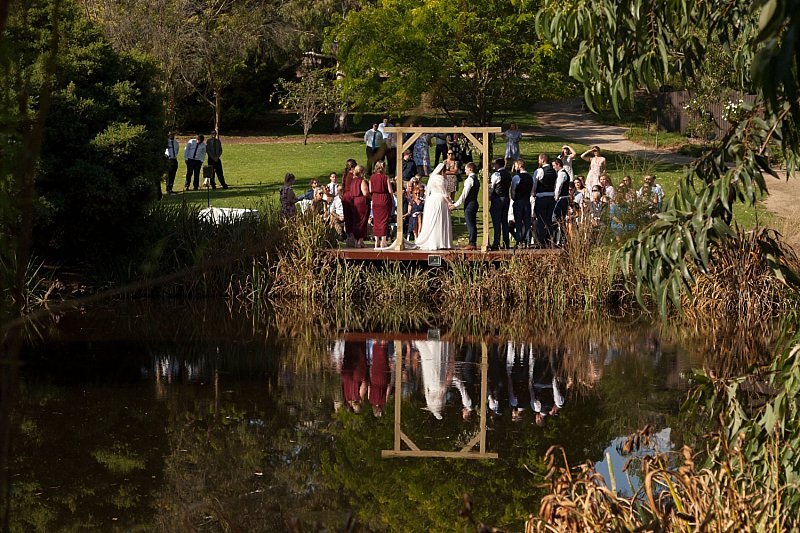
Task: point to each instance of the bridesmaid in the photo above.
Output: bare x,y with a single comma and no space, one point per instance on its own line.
359,192
347,201
381,193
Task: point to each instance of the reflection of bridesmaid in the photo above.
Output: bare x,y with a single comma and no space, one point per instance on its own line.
354,374
437,373
380,376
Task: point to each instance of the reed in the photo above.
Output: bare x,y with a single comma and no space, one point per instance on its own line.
742,478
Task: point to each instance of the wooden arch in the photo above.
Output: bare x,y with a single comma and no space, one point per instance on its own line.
481,145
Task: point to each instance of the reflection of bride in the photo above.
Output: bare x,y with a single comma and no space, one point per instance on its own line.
437,228
437,373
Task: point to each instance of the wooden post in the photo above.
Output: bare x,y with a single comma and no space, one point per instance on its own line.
398,390
485,157
399,242
484,393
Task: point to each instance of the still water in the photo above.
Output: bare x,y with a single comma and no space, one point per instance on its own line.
198,417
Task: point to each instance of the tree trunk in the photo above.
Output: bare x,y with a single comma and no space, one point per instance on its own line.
217,108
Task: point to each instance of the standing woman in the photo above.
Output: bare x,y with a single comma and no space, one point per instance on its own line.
512,137
451,171
288,198
422,155
597,166
347,200
381,193
359,192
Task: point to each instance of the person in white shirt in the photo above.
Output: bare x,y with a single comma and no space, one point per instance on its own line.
373,139
333,186
544,186
567,156
469,199
336,213
561,195
171,153
194,154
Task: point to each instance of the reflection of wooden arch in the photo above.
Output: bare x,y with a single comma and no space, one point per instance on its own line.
481,145
467,452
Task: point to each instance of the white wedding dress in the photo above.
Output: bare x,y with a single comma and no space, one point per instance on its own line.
437,373
437,228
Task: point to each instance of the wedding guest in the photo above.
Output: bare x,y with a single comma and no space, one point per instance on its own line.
567,156
416,208
359,192
607,187
409,166
309,194
451,171
332,185
214,151
288,199
171,153
381,194
194,154
597,166
440,140
422,156
373,139
512,136
336,213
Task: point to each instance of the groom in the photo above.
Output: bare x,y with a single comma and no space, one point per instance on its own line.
469,199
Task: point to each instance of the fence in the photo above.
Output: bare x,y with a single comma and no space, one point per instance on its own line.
672,116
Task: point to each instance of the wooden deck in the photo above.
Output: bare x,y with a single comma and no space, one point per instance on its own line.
438,257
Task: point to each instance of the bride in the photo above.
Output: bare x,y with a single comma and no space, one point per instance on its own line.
437,228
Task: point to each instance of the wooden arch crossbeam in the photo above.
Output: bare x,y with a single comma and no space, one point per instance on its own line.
481,145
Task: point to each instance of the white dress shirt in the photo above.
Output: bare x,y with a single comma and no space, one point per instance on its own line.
373,138
172,149
467,187
194,150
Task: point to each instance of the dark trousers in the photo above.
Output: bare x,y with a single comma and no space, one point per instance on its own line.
372,156
441,150
499,214
560,212
391,161
216,165
172,171
471,220
193,167
545,227
522,220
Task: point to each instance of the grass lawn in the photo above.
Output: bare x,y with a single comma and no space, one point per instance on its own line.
255,172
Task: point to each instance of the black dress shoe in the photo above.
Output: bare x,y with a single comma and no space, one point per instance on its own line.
224,187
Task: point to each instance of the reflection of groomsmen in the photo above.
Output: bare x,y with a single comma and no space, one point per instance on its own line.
519,371
496,378
464,381
547,395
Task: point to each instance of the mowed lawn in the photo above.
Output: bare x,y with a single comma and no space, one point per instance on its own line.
255,172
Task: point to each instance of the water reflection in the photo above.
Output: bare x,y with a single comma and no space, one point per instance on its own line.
216,422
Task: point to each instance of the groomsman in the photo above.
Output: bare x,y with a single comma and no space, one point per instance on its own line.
544,186
373,139
194,154
499,187
561,196
469,199
521,187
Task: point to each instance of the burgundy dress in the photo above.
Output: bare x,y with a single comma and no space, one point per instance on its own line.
347,202
360,209
380,375
354,370
381,204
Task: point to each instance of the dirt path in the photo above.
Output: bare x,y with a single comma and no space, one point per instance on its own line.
570,121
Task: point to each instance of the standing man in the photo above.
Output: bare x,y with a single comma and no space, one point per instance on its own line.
561,196
409,166
171,153
374,140
194,154
499,186
521,187
441,147
544,186
214,151
469,199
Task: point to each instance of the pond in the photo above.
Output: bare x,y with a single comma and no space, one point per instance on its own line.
176,416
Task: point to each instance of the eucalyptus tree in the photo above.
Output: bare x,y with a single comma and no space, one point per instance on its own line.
479,56
632,44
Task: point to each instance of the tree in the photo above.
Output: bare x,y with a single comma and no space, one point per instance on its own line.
313,95
99,167
479,56
643,43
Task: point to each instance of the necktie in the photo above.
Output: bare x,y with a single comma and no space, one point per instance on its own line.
196,146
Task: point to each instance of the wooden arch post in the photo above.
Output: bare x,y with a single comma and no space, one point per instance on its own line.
481,145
